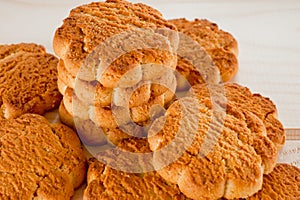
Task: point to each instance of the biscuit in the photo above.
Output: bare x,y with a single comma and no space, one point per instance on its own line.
282,183
28,77
106,182
91,25
221,46
105,117
39,159
94,93
74,106
207,33
205,157
262,144
62,86
65,116
261,106
65,76
88,132
91,134
108,118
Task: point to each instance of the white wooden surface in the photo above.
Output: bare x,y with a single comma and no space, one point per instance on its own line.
268,32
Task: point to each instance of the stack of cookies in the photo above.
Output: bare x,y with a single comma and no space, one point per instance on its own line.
116,75
114,66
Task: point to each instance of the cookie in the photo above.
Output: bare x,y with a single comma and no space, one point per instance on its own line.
94,24
65,116
106,117
207,34
106,182
74,106
39,159
92,134
261,106
207,158
65,76
28,77
94,93
282,183
263,145
221,46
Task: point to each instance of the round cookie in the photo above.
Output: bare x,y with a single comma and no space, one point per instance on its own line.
94,93
207,34
91,134
261,106
74,106
205,157
221,46
282,183
262,144
104,116
106,182
65,116
64,75
94,24
39,159
28,77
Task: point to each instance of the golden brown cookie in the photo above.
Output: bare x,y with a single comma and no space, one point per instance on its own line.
28,77
106,117
105,182
65,76
92,134
74,106
261,106
282,183
88,132
262,144
65,116
94,93
207,157
221,46
38,159
91,25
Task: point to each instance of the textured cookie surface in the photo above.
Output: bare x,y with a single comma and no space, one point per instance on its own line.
38,159
209,158
28,77
221,46
262,144
107,183
90,25
282,183
261,106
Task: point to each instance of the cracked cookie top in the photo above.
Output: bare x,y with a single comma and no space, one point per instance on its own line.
38,159
205,155
257,104
90,26
28,77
